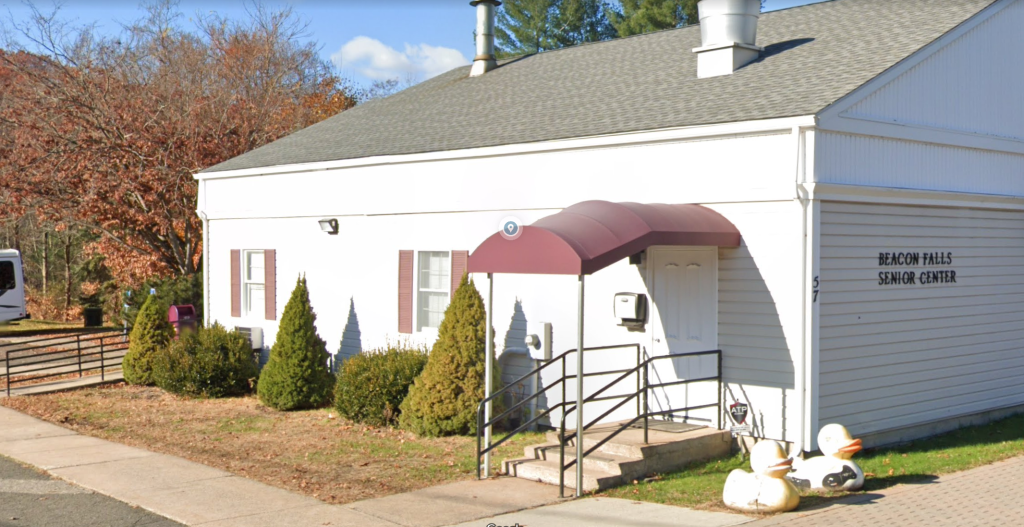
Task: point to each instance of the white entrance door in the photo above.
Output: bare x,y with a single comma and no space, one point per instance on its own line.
683,283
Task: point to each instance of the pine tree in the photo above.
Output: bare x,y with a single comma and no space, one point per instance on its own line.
151,333
635,17
444,398
580,21
531,26
525,26
296,376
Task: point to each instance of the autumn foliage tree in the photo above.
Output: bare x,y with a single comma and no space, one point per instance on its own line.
106,133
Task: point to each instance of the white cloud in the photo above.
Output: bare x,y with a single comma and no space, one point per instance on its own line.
375,60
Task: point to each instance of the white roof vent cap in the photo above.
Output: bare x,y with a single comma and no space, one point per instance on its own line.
728,32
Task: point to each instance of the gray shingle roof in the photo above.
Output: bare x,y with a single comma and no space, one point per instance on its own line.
814,55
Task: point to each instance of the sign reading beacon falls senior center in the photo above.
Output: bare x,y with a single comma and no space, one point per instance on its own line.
918,259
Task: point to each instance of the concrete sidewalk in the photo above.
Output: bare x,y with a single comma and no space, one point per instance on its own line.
195,494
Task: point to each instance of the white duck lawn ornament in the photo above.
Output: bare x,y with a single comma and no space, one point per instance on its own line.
833,470
766,489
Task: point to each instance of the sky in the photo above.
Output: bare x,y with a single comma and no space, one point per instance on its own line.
408,40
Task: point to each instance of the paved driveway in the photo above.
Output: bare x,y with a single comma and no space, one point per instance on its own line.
29,498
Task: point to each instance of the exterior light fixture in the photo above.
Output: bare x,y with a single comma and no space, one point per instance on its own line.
329,225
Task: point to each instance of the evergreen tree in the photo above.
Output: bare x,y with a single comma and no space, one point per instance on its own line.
296,376
525,26
580,21
444,398
531,26
151,333
635,17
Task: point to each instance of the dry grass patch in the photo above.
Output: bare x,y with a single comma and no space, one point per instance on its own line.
312,452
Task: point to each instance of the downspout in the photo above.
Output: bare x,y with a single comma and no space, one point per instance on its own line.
799,370
206,254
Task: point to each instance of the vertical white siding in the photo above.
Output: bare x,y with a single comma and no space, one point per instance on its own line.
759,314
972,85
883,162
897,356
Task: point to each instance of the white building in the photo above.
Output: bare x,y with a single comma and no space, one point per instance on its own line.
871,158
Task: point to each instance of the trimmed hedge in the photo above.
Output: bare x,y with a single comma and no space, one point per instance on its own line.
211,362
371,386
444,398
296,376
151,334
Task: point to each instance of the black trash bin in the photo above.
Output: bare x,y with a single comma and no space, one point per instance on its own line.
93,317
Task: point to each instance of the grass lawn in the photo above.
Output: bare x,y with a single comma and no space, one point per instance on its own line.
311,452
700,486
32,326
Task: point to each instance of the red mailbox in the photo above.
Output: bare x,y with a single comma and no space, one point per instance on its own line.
182,317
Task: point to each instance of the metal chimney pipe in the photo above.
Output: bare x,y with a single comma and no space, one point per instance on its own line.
484,60
728,31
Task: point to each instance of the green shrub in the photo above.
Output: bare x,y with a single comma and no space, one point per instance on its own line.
210,362
173,291
444,398
371,386
151,333
296,375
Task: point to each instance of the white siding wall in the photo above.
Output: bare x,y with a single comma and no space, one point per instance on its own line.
897,356
973,85
759,314
705,171
455,205
849,159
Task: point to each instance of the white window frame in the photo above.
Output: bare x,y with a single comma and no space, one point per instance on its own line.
419,290
261,311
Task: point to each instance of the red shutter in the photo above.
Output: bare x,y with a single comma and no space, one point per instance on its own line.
405,270
236,283
270,283
459,261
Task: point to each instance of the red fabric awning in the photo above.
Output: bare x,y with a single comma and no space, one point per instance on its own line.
592,235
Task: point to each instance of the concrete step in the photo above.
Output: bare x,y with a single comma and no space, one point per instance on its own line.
602,461
546,471
682,448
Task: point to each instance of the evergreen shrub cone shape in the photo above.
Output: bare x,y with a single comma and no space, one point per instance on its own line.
296,376
444,398
151,333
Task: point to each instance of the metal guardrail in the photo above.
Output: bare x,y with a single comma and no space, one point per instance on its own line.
34,360
643,411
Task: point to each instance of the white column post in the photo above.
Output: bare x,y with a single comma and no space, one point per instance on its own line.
579,394
489,369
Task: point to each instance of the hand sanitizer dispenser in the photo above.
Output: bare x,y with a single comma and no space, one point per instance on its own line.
631,310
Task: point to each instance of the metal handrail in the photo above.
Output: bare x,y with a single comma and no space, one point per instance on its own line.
645,415
481,425
79,348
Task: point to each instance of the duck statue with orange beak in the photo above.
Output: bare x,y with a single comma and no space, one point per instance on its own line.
833,470
766,489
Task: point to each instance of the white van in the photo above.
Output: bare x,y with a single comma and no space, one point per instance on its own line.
12,286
